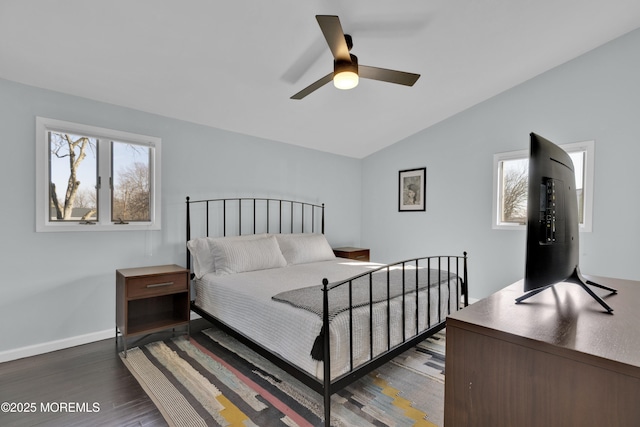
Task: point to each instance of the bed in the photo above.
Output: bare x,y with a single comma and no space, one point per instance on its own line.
270,258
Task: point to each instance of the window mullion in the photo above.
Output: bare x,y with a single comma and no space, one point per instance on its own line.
152,183
104,174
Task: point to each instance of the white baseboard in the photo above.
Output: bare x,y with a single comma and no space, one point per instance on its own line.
47,347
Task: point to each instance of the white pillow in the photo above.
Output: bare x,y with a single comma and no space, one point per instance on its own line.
202,255
237,256
300,248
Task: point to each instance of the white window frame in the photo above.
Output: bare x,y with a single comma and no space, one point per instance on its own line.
588,147
43,222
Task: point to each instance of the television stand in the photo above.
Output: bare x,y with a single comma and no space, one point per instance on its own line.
579,279
545,364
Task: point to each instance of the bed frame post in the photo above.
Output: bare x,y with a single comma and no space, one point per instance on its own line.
188,234
327,353
464,274
322,221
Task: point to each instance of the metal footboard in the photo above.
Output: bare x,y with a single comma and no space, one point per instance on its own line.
433,263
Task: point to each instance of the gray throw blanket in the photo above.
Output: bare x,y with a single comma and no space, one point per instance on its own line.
310,298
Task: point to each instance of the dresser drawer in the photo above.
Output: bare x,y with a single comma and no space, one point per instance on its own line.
156,285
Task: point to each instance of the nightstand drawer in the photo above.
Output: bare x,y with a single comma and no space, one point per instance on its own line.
359,254
156,285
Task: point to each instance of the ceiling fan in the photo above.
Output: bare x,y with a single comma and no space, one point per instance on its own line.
346,71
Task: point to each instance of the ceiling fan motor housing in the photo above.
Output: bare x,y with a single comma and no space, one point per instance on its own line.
340,66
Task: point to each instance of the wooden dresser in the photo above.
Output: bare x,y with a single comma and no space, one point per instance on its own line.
557,359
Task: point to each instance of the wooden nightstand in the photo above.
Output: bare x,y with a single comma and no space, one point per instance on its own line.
151,299
359,254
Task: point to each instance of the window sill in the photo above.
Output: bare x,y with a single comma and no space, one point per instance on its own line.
52,227
583,228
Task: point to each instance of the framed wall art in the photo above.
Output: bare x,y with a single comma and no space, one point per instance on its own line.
412,190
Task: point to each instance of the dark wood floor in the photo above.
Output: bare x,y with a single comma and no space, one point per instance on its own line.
87,374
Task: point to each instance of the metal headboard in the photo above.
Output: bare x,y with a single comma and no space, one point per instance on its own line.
299,216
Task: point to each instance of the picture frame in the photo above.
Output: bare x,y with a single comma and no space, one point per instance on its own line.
412,190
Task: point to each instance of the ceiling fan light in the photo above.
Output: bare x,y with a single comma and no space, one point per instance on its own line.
345,80
345,73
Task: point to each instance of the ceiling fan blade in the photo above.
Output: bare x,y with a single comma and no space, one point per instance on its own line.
313,86
391,76
305,61
332,30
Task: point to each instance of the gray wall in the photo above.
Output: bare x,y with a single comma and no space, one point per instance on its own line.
594,97
57,286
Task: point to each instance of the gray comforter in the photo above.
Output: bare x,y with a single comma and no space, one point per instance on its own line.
310,298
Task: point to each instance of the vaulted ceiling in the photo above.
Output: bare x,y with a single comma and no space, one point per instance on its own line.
234,65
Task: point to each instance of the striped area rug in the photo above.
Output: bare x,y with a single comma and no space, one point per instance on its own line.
211,379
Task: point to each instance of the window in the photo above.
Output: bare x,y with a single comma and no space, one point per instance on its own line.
91,178
510,175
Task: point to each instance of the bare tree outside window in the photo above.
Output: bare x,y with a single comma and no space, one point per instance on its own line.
131,194
515,177
73,189
73,163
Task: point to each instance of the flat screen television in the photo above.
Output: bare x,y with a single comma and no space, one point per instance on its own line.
552,251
